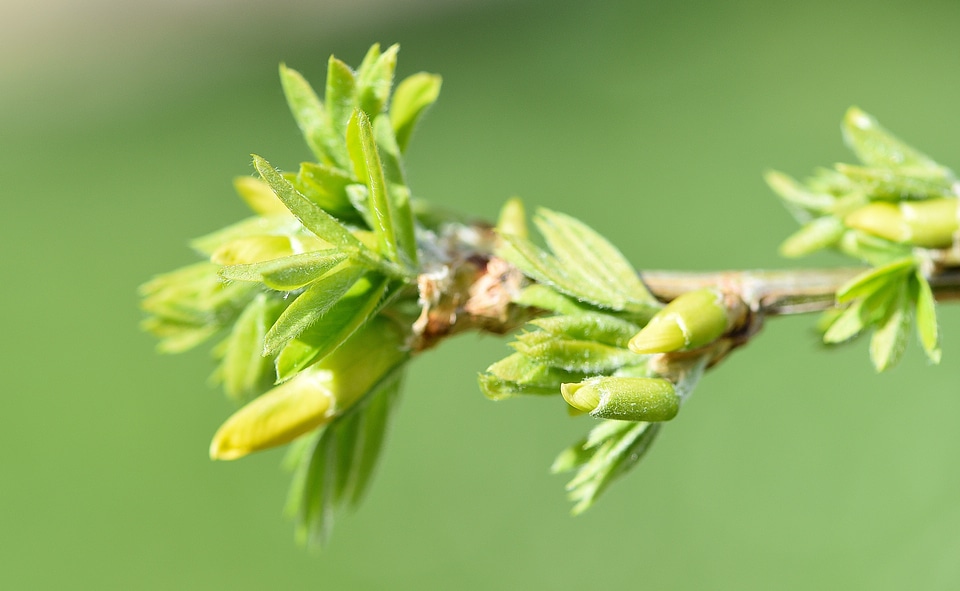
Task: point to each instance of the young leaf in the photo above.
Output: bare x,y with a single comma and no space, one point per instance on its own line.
579,356
590,326
310,215
890,339
926,317
898,184
336,469
579,248
244,370
410,100
341,94
875,146
798,197
258,196
374,80
314,121
870,281
600,459
327,187
815,235
327,334
845,326
288,273
310,306
256,226
366,159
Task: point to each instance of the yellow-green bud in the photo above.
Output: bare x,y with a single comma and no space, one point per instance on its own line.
932,223
692,320
625,399
314,396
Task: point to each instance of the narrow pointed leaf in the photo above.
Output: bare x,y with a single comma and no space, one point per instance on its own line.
890,339
815,235
310,306
876,146
288,273
244,370
258,196
310,215
341,321
326,186
927,329
374,80
363,152
314,121
580,248
341,94
280,224
797,195
870,281
374,421
411,99
846,326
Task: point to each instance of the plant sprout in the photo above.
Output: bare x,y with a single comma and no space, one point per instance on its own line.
317,303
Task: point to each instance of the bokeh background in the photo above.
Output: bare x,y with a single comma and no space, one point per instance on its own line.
794,467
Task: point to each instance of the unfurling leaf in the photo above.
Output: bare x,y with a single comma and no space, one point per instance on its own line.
312,118
310,306
926,317
411,99
310,214
875,146
612,449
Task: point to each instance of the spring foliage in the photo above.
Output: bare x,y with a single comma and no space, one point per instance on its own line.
317,303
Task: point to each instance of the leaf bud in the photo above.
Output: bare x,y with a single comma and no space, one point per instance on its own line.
625,399
314,397
692,320
932,223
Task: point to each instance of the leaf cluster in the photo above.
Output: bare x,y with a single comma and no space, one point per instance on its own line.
330,247
891,211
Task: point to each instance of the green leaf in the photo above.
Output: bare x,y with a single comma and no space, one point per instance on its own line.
846,326
282,224
335,467
341,321
601,458
816,235
798,197
375,78
244,371
257,249
870,281
310,215
258,196
366,159
310,306
927,329
875,146
890,339
341,94
590,326
578,356
326,186
412,97
288,273
390,159
314,121
588,254
517,375
899,184
546,298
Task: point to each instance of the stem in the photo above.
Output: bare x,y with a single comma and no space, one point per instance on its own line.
782,292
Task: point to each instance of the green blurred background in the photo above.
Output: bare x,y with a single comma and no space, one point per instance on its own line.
122,125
